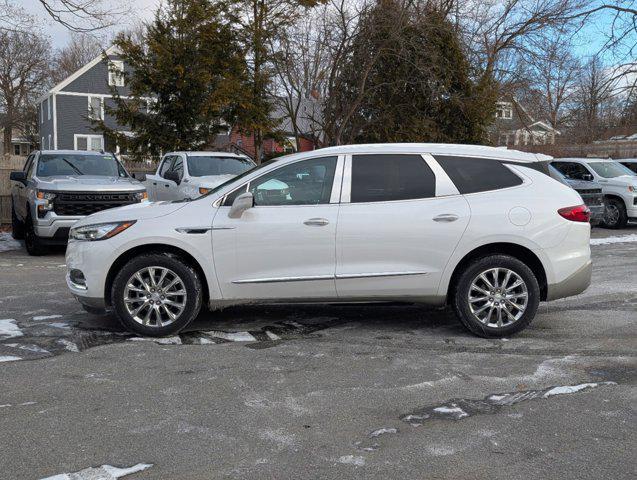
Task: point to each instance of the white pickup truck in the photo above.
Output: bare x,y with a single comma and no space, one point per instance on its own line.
188,175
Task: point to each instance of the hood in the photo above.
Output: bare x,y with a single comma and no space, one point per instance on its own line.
135,211
210,181
90,183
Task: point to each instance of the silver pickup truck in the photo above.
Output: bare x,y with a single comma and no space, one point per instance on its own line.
56,188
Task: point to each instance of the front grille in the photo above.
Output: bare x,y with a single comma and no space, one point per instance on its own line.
585,191
593,200
86,203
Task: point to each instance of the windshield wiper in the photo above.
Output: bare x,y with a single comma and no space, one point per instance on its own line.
72,166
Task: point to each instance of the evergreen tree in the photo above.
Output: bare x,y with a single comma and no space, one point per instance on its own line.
187,79
407,79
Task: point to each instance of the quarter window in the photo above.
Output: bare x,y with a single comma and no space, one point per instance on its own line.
383,178
472,175
302,183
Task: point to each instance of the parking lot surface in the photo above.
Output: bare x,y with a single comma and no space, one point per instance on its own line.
289,392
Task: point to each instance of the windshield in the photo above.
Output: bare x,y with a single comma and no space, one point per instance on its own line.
610,169
51,165
238,178
202,165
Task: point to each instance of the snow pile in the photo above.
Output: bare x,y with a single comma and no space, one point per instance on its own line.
105,472
9,358
9,329
615,239
566,389
8,243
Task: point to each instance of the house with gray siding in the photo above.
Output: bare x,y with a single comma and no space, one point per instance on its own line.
65,111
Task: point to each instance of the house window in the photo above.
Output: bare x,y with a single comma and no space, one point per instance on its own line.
504,139
504,110
96,108
116,73
88,142
16,149
289,145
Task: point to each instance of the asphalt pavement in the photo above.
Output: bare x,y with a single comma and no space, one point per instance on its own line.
319,392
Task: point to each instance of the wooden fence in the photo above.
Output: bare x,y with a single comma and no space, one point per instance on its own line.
8,163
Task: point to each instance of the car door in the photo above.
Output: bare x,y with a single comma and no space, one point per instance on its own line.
399,222
282,247
19,190
158,182
173,189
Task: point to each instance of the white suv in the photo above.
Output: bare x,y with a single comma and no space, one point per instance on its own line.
618,182
482,229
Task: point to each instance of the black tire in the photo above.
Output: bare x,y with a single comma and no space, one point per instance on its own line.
183,270
17,226
460,296
32,242
615,216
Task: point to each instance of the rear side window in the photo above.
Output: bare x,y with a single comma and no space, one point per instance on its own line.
472,175
382,178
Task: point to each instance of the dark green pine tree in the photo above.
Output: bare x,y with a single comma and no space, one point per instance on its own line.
186,79
417,85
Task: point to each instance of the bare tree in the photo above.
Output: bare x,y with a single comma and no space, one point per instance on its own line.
81,49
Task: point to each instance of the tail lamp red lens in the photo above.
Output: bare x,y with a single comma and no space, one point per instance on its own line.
578,213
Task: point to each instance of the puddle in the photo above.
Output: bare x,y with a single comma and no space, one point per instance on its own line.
458,409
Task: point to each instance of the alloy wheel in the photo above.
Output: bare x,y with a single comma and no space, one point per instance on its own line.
611,215
498,297
155,296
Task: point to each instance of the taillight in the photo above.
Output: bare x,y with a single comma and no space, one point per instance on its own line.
579,213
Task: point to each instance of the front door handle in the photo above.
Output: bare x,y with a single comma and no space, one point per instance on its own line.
316,222
446,217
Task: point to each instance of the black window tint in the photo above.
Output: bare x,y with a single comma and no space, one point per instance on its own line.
382,178
178,167
573,170
232,195
164,166
471,175
631,165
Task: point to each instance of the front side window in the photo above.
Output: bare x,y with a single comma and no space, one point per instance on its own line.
383,178
307,182
472,175
202,165
165,166
610,169
572,170
178,167
51,165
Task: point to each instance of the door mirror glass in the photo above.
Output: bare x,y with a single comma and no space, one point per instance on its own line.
18,177
172,176
241,204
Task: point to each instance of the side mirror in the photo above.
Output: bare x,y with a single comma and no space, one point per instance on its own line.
18,177
173,176
141,177
241,204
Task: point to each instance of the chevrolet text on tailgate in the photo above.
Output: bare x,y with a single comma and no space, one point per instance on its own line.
57,188
483,230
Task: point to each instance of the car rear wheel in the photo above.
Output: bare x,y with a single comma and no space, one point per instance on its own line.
496,296
615,215
156,295
17,226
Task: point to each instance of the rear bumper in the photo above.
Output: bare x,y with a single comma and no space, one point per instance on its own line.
575,284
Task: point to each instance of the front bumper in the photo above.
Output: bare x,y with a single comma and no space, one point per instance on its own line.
93,259
54,228
575,284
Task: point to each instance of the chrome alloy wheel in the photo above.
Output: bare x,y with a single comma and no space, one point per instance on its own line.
155,296
498,297
611,214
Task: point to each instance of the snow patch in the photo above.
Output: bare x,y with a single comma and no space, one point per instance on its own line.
70,346
30,348
234,336
352,460
9,358
46,317
161,340
383,431
9,329
453,411
104,472
614,239
60,325
440,451
566,389
272,336
8,243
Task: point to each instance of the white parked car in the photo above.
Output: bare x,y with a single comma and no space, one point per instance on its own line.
188,175
618,182
481,229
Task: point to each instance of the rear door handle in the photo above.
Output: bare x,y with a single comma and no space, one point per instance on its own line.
446,217
316,222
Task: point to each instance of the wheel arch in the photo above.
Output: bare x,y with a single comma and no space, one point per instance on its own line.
614,196
515,250
158,248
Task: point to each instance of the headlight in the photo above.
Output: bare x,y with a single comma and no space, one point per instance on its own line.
203,190
141,196
99,231
47,205
631,188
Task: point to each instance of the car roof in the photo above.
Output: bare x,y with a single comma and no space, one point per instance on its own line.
203,153
583,160
67,152
432,148
628,160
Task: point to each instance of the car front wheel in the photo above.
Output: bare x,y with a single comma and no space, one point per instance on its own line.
615,215
156,295
32,242
496,296
17,226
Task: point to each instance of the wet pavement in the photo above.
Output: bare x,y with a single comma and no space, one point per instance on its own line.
319,391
